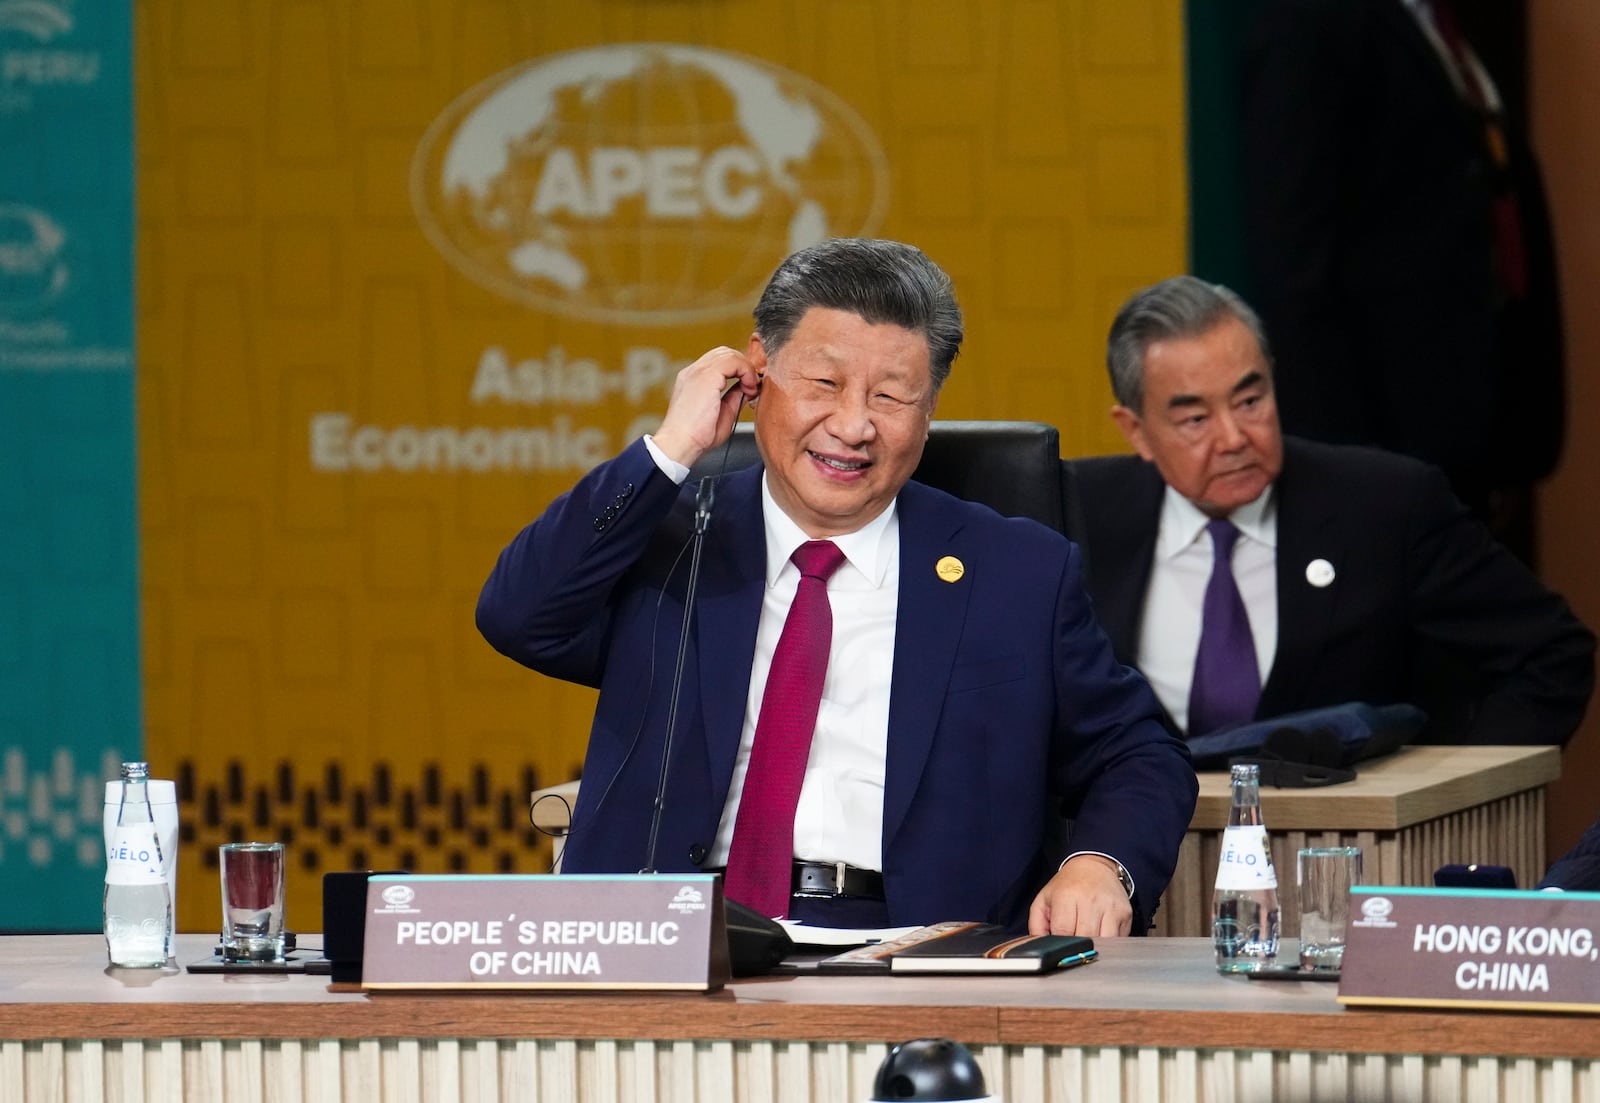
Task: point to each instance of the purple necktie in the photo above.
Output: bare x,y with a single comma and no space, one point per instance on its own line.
761,856
1227,682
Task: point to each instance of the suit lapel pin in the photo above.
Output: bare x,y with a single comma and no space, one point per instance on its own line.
1319,572
949,568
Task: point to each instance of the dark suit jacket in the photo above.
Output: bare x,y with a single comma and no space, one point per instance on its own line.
1005,698
1578,870
1369,214
1424,608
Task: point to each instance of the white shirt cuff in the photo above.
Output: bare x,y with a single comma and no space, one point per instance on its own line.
670,467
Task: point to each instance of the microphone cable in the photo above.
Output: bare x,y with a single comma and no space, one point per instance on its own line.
705,497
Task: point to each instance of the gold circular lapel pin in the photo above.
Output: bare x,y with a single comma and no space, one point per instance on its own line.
949,568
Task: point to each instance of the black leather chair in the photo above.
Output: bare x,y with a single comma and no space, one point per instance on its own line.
1013,467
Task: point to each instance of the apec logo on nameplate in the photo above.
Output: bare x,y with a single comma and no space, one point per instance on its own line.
1499,948
544,932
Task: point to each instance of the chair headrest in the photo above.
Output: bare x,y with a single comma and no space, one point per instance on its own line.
1013,467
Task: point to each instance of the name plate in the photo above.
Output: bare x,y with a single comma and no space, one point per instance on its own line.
664,931
1435,947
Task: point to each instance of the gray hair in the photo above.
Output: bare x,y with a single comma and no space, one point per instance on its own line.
877,280
1180,307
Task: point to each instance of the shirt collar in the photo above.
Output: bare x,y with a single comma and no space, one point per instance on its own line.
1182,521
863,549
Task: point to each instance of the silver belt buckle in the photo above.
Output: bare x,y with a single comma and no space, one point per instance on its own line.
822,892
838,878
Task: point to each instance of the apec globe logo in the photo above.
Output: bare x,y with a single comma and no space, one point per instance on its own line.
398,896
645,183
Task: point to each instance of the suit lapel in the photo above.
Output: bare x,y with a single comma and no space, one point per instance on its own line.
1407,30
1309,532
928,626
1124,500
1408,33
733,578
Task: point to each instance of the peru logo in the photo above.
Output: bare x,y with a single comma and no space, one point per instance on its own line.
643,184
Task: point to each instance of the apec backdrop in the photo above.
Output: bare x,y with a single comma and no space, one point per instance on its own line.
407,268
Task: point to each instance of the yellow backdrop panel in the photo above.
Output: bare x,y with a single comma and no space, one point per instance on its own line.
407,267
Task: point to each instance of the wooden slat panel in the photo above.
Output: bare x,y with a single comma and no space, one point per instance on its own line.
45,1073
13,1066
703,1072
1410,786
323,1081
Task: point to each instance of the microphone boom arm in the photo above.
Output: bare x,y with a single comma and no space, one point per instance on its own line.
705,498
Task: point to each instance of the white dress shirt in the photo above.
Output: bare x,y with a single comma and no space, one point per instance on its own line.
1169,634
840,814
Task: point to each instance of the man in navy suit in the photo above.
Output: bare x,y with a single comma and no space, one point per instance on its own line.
970,698
1362,577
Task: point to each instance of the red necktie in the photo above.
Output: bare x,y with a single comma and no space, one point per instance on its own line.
761,856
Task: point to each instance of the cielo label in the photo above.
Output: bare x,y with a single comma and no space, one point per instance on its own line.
643,183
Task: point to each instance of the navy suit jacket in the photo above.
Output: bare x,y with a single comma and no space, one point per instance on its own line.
1006,703
1578,870
1424,606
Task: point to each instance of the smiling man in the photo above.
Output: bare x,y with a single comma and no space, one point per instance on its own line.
1249,576
889,693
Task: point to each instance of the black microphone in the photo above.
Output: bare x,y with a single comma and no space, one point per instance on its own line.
705,497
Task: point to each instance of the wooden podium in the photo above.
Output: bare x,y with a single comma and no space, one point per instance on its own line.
1410,813
1150,1020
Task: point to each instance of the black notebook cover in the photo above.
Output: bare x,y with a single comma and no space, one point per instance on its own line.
963,948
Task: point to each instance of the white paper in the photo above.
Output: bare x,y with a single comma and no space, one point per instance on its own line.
804,935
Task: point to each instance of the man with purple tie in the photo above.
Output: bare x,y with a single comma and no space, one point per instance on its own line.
889,694
1249,575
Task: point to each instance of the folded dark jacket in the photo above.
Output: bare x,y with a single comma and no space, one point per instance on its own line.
1314,747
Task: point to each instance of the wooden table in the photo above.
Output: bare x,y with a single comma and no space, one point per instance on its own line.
1151,1020
1410,812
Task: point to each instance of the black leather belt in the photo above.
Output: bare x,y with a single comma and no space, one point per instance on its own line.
829,879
